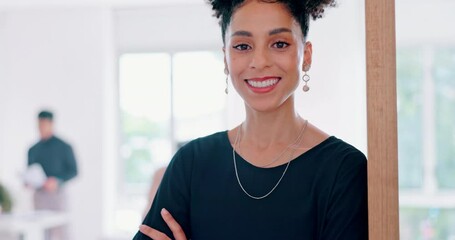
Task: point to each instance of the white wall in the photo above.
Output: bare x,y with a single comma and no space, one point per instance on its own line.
54,58
167,28
2,91
425,23
337,99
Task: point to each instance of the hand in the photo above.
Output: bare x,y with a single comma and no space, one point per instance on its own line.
177,231
51,184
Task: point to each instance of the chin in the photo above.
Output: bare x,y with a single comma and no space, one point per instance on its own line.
264,106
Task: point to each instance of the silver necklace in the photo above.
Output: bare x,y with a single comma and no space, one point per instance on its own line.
282,175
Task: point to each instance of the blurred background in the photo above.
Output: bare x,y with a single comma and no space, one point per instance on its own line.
426,118
130,81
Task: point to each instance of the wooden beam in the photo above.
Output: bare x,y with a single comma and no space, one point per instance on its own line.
382,120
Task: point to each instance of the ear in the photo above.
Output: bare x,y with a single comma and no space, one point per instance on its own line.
308,52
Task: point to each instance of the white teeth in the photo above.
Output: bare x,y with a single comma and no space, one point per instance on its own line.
263,84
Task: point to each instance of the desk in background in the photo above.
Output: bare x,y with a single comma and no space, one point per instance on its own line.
31,225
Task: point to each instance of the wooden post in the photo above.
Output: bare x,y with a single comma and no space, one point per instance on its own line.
382,120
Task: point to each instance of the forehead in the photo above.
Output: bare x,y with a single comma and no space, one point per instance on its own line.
44,121
257,15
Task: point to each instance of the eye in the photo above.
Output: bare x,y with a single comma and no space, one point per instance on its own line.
281,44
242,47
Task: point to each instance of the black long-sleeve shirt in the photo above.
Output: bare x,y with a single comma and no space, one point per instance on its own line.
56,157
323,195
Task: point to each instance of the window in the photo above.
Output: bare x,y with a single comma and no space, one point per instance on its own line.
165,100
426,137
199,84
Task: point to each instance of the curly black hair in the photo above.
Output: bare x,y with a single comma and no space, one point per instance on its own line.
301,10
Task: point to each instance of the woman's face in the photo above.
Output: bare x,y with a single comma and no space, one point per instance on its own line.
264,54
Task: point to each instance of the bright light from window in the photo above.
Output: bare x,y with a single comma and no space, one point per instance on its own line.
158,91
200,100
145,85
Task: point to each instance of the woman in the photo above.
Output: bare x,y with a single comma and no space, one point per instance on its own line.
275,176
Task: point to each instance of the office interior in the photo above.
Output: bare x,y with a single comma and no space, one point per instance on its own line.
72,57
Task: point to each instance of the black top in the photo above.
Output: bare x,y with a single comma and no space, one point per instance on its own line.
322,196
56,157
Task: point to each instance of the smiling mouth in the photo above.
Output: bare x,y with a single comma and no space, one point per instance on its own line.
262,83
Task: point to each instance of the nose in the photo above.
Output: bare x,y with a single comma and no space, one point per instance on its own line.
260,58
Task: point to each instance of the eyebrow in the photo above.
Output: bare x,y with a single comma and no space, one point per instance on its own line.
271,32
242,34
279,30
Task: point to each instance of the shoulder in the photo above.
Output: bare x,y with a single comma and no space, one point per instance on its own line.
205,144
336,157
338,148
337,163
215,138
34,147
201,150
330,148
349,161
60,142
192,156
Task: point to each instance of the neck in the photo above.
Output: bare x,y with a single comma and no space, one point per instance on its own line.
263,129
47,137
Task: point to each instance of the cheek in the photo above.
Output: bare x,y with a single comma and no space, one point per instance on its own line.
237,64
289,63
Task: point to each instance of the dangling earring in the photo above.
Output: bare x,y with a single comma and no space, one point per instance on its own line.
227,81
305,79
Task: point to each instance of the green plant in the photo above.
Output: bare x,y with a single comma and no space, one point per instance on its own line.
6,202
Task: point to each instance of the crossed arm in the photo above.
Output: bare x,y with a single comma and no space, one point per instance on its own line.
177,231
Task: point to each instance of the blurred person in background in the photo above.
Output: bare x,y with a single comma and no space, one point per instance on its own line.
57,160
